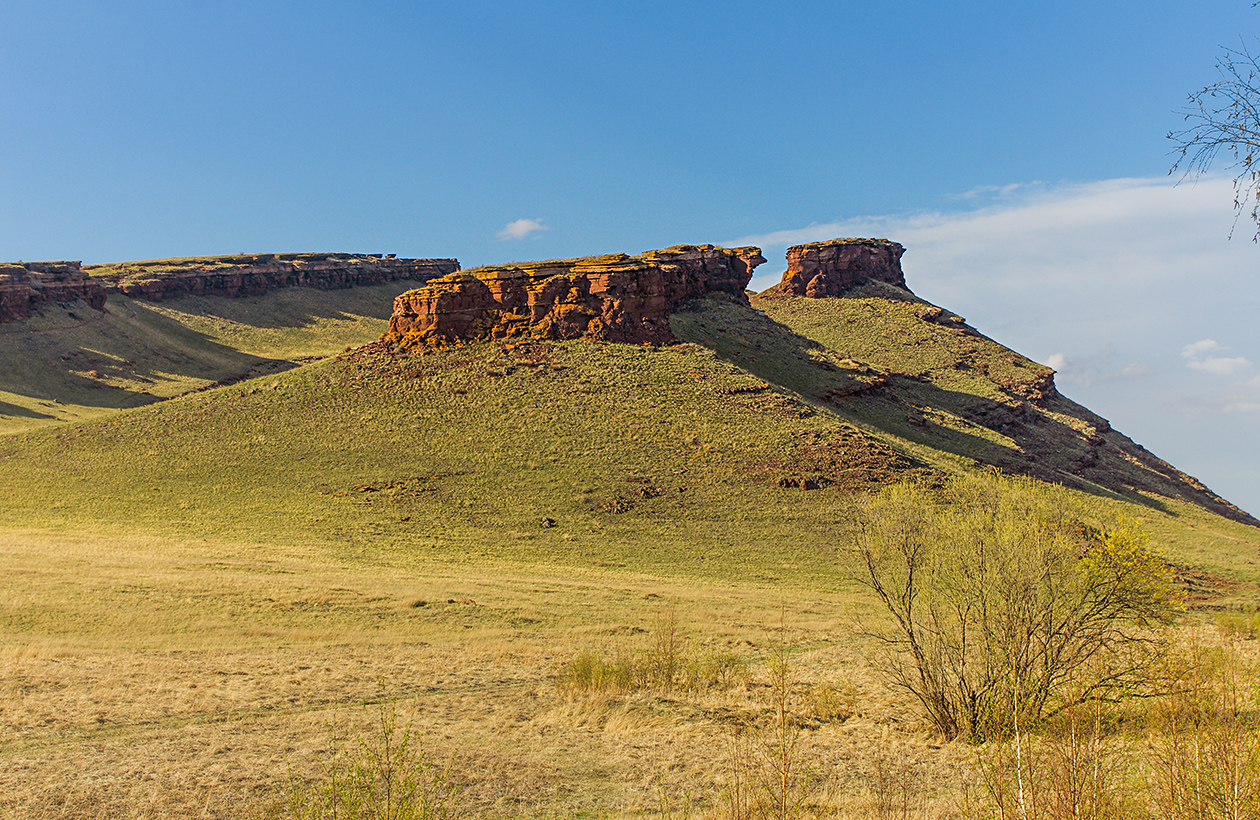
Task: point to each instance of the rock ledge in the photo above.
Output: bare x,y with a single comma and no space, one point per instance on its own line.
820,269
615,298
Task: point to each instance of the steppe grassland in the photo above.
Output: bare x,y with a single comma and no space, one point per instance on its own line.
210,588
184,678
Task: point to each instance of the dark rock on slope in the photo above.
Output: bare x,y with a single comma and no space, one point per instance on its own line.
26,286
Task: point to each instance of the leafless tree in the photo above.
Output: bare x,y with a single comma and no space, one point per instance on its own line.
1224,118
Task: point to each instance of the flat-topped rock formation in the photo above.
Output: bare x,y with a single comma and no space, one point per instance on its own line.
251,275
616,298
831,268
25,286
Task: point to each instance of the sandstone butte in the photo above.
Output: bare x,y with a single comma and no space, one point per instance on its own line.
833,267
620,298
26,286
615,298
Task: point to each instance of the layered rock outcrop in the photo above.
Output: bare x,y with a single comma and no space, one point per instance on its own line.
616,298
836,266
237,276
25,286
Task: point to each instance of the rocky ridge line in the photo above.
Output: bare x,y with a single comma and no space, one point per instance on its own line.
26,286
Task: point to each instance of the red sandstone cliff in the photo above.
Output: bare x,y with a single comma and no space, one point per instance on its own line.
616,298
27,286
236,276
831,268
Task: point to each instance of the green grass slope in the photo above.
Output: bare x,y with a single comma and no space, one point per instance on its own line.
651,458
720,462
73,363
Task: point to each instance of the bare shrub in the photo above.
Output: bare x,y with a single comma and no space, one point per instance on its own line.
1074,767
671,662
1197,758
592,673
1206,736
896,784
769,774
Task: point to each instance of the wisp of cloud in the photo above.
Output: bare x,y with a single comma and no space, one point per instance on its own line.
520,228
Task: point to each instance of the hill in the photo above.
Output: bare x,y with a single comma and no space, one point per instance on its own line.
82,341
443,520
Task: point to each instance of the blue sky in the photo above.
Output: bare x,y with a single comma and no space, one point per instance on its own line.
1017,150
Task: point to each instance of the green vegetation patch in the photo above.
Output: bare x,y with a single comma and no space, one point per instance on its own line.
582,452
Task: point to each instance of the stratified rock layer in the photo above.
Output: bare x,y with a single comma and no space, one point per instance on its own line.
616,298
244,275
25,286
833,267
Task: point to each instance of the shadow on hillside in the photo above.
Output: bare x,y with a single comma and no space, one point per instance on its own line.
297,307
1048,449
15,411
107,360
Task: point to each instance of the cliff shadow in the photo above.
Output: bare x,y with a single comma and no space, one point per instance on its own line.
912,408
295,307
17,411
118,359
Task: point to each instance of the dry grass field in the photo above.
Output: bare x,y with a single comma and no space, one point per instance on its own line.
205,600
192,680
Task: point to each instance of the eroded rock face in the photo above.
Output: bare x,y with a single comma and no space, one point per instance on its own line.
831,268
616,298
25,286
237,276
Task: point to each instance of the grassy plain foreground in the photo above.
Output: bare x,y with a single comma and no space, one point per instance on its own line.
204,594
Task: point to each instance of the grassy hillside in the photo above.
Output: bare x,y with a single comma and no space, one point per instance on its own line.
644,457
73,363
204,591
900,365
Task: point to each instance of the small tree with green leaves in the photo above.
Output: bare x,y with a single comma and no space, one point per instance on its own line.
999,596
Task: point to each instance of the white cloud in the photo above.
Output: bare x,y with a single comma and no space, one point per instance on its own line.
997,191
1219,366
1190,351
1216,365
520,229
1056,361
